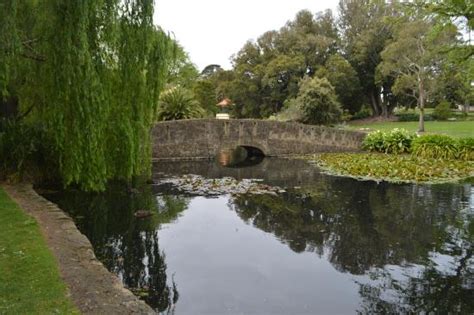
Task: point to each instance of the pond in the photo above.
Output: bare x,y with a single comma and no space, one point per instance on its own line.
290,241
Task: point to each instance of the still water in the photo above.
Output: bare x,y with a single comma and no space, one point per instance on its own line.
322,245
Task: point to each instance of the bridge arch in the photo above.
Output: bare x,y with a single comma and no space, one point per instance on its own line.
252,150
203,138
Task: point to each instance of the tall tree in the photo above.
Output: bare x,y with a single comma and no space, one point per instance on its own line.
267,71
414,58
205,93
182,71
93,70
346,83
365,31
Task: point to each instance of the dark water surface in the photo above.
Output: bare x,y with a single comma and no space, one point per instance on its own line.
328,245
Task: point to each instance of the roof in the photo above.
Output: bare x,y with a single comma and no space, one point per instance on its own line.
225,102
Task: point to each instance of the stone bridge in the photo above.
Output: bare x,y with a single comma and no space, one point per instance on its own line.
205,138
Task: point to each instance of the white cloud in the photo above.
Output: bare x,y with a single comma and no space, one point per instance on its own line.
212,30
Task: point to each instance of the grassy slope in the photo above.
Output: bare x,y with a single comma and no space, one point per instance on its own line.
29,276
452,128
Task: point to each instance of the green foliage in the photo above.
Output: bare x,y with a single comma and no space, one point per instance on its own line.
29,282
291,111
182,71
374,141
358,52
413,57
178,103
454,8
23,148
395,141
267,72
317,101
364,112
93,72
465,148
18,143
442,111
445,147
205,93
435,147
412,116
395,168
346,83
427,146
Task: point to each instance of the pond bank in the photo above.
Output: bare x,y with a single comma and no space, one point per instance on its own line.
93,289
25,260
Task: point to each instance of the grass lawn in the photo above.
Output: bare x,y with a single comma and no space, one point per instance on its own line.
29,276
457,129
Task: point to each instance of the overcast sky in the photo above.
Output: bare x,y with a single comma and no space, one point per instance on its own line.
212,30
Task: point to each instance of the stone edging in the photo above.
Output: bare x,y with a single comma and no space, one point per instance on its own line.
92,287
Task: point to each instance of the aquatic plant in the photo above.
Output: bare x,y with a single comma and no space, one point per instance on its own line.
395,168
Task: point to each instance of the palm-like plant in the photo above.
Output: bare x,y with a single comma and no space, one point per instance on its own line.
178,103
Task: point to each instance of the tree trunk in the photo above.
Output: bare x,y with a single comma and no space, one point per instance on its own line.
421,104
388,101
381,103
373,103
384,109
466,107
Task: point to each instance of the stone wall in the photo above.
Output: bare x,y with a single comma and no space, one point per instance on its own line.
204,138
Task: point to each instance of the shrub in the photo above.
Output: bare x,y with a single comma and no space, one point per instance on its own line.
178,103
318,102
465,148
395,141
346,115
291,111
442,111
435,146
364,112
412,117
374,141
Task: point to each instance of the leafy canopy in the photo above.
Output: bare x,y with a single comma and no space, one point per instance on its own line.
93,72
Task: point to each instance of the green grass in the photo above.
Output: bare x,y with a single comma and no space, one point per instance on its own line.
458,129
394,168
29,276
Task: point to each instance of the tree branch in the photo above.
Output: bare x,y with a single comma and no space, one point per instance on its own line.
33,57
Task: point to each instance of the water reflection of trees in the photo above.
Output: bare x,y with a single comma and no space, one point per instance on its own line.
364,226
128,246
440,287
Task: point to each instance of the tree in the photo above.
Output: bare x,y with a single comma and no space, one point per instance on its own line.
346,83
182,71
210,70
205,93
317,102
454,9
414,58
280,79
461,63
90,73
365,28
178,103
267,71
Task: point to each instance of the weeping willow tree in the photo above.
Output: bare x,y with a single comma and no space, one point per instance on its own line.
92,71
